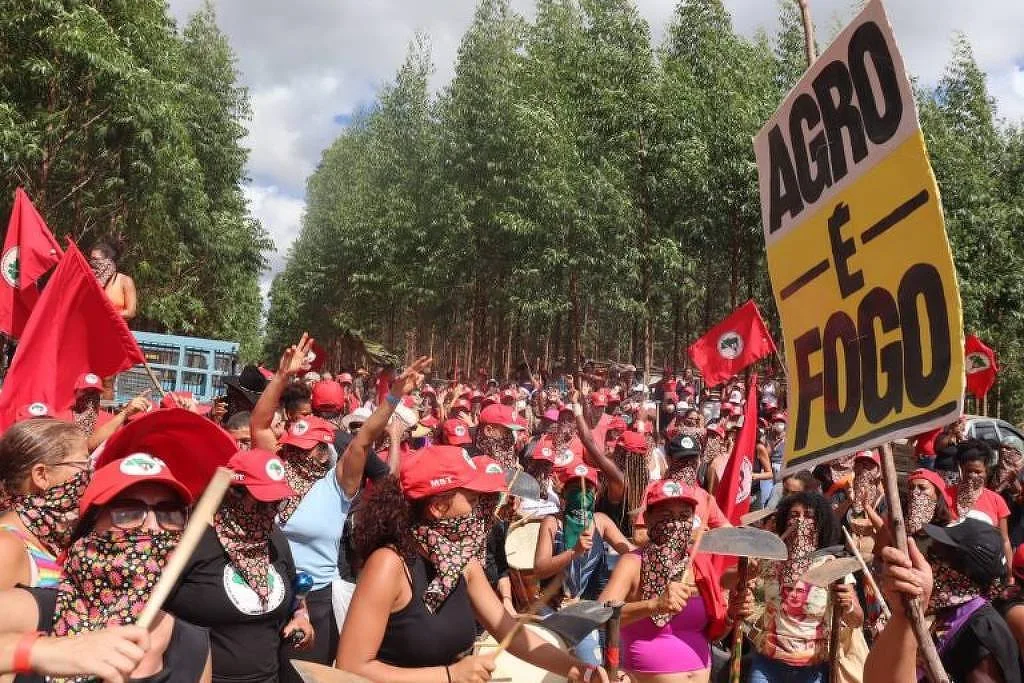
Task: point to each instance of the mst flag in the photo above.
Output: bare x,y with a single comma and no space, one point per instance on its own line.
733,492
980,365
29,251
73,329
732,345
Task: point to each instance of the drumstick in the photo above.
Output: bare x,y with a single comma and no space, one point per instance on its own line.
530,613
201,517
867,574
522,521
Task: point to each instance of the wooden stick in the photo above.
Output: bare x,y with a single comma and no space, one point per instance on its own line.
805,13
201,517
911,605
833,641
612,636
153,378
867,573
736,663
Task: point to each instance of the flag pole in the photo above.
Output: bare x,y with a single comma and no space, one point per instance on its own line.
153,378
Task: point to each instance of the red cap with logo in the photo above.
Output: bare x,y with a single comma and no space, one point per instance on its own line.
461,404
543,451
308,432
327,395
492,469
508,397
456,432
34,410
617,424
576,471
438,469
113,478
668,490
262,473
489,400
870,455
634,442
599,399
500,415
89,381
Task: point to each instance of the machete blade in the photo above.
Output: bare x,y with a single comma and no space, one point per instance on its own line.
522,484
743,542
827,573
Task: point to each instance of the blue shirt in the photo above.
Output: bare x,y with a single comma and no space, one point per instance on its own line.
314,529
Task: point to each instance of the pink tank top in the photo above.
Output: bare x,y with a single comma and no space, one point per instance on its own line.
677,647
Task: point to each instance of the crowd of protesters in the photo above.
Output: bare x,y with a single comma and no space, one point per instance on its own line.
369,515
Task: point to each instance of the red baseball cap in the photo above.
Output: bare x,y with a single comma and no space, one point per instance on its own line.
492,469
667,490
634,442
438,469
599,399
870,455
308,432
489,400
461,404
500,415
543,451
613,397
344,378
617,424
33,410
192,446
577,470
89,381
327,395
262,473
717,428
456,432
508,397
477,395
551,415
116,476
430,422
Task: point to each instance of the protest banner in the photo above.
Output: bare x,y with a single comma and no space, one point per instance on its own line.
857,253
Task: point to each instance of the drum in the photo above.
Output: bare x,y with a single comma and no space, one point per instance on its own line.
520,548
511,669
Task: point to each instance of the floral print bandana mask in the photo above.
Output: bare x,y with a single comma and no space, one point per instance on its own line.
302,469
449,544
921,510
51,516
662,559
800,543
243,525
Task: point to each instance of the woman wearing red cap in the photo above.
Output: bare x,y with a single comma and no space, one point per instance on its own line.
422,589
44,469
672,612
132,516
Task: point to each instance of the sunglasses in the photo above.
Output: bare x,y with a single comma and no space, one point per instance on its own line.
131,514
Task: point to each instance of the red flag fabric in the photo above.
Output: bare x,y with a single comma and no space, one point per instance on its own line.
980,365
74,329
733,492
29,251
318,357
732,345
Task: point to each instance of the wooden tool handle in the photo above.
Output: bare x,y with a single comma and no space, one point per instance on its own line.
833,642
911,605
867,573
611,651
201,517
736,662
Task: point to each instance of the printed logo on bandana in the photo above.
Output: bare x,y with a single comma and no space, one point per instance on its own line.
141,465
564,458
976,362
10,267
494,468
245,598
746,474
300,428
38,410
730,345
275,470
580,471
672,489
92,379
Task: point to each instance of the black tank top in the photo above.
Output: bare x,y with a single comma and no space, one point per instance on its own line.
184,658
416,638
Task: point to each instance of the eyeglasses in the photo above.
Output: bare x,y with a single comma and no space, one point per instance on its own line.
131,514
79,465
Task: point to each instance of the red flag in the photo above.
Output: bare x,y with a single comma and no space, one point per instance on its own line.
732,345
74,329
733,492
29,251
980,365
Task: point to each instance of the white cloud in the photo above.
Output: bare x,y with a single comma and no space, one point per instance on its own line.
308,61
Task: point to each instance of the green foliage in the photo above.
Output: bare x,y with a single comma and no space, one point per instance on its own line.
123,130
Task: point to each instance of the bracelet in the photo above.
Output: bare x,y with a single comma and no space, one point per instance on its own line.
22,663
448,674
393,401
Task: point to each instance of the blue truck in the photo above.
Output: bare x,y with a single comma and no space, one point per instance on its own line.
181,364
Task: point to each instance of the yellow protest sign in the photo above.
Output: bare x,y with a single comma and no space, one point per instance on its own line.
857,253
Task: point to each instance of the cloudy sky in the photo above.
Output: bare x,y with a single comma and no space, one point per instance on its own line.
310,63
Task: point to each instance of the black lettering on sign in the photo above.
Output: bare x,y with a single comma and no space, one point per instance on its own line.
842,250
845,112
851,356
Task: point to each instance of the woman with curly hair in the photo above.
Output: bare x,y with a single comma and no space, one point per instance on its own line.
422,588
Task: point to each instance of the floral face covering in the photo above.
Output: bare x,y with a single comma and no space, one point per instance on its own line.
662,559
841,467
104,269
921,510
108,577
951,588
449,544
501,448
968,491
684,470
486,509
243,525
865,487
51,516
302,469
1010,463
86,411
801,542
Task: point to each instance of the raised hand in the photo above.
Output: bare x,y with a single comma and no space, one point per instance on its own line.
293,360
411,377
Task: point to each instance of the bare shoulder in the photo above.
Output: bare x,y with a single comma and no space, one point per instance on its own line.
384,563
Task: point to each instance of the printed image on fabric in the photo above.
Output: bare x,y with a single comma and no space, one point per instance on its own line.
245,599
